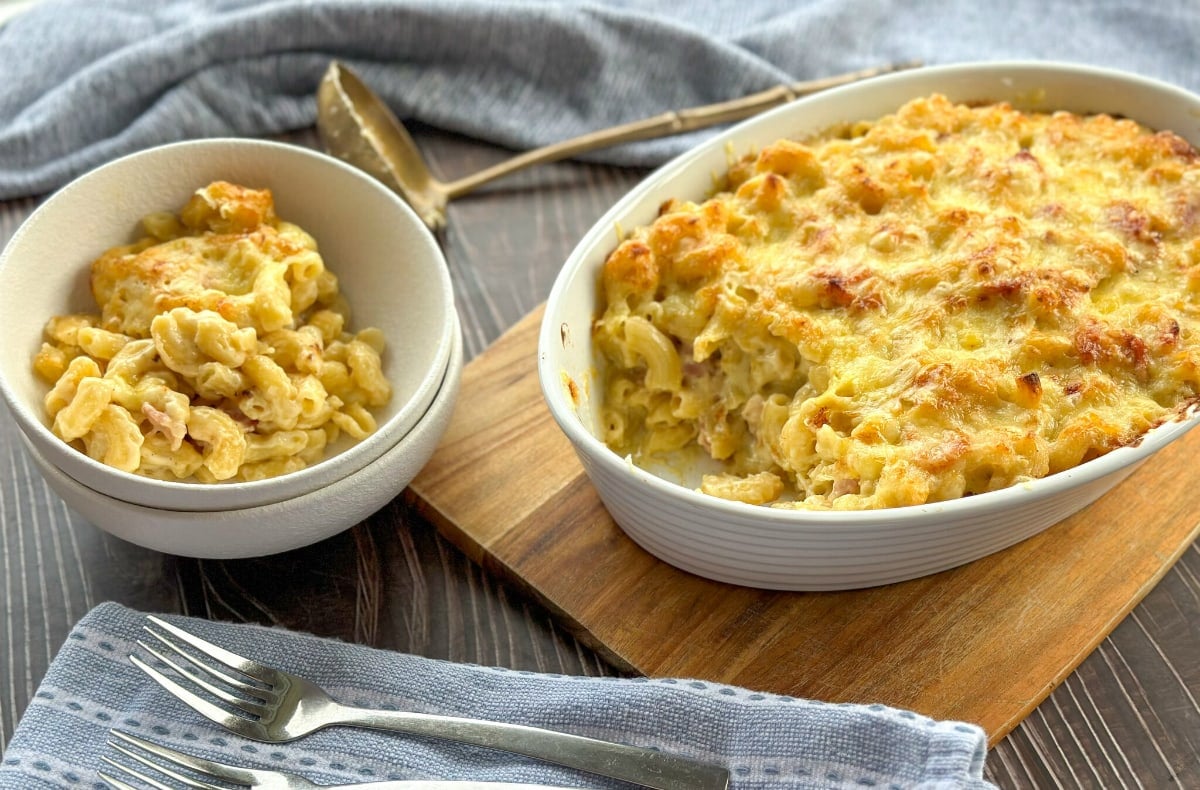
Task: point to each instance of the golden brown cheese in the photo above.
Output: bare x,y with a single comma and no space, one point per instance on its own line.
227,252
946,301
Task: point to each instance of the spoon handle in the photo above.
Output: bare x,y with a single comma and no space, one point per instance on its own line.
666,124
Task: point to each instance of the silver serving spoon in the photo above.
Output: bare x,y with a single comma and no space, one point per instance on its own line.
356,126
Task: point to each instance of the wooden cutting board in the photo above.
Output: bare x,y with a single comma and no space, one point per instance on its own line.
984,643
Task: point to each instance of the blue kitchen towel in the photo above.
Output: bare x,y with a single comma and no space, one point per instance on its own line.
766,741
82,82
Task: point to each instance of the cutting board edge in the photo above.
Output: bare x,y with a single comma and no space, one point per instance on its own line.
478,554
1087,648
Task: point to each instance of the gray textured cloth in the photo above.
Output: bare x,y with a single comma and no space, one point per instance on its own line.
85,81
765,740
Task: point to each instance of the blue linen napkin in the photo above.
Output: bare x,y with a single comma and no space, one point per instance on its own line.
82,82
767,741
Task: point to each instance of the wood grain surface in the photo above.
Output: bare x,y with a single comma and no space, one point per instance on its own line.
1127,717
985,642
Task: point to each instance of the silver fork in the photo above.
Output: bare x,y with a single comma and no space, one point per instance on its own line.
273,706
171,761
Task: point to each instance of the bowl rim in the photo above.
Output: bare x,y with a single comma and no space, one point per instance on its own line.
356,455
788,520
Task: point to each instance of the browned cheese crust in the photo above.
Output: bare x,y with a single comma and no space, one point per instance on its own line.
946,301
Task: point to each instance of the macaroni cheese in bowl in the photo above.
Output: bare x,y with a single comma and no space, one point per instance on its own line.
221,351
250,336
863,329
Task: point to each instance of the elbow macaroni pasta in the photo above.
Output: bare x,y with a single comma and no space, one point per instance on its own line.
947,301
220,351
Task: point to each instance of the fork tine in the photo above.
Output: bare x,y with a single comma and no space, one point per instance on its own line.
259,672
117,783
238,683
141,777
259,693
208,710
209,768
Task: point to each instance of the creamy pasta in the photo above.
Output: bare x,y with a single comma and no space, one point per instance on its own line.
220,349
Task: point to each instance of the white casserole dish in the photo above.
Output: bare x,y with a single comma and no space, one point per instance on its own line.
807,550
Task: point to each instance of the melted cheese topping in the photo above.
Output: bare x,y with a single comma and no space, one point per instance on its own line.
947,301
227,252
221,351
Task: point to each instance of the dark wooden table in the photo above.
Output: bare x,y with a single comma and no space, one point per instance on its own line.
1128,717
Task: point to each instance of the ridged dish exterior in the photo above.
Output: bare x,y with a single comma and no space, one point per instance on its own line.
742,548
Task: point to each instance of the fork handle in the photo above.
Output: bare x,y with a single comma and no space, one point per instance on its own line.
645,767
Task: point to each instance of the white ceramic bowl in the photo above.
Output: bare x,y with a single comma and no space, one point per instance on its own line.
388,265
800,550
279,526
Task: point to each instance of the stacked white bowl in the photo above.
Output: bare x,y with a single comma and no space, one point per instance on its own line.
389,268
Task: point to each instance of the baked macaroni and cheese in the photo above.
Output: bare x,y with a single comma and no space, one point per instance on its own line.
946,301
221,350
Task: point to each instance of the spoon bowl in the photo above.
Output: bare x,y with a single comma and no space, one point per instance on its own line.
356,126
